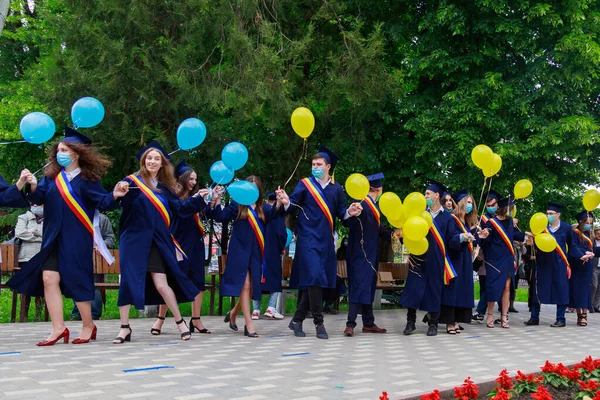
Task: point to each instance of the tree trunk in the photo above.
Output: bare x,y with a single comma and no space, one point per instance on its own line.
3,13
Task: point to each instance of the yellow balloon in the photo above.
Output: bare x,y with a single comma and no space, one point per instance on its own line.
545,242
416,247
390,205
538,222
398,222
513,213
357,186
481,156
415,228
591,199
427,217
303,122
494,167
414,205
523,188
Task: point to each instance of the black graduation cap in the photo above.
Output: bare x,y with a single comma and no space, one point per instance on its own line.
73,136
153,145
505,202
584,215
492,194
461,194
555,207
437,187
181,168
376,180
271,196
329,156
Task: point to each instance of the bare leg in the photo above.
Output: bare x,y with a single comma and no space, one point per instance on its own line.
162,313
245,303
85,310
490,314
163,288
235,310
505,301
124,314
196,310
54,302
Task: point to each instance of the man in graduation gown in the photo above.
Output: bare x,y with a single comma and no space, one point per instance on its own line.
431,271
362,258
11,195
553,270
318,200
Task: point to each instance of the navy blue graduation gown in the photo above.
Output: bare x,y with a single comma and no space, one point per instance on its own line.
243,253
580,284
552,284
141,225
275,240
10,196
498,259
65,233
423,289
315,263
188,234
362,272
459,293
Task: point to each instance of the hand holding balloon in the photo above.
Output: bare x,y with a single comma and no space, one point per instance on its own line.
121,189
282,197
23,179
355,209
484,233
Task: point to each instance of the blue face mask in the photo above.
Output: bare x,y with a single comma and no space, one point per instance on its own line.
448,210
551,219
469,208
63,159
491,210
429,201
318,172
587,227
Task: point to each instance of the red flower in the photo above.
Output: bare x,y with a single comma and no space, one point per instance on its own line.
468,390
505,380
384,396
501,394
548,367
531,378
541,394
589,386
435,395
587,364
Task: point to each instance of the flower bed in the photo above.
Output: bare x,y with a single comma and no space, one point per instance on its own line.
555,381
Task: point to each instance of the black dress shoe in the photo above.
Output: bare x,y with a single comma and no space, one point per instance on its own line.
558,324
426,318
330,310
513,310
432,330
597,309
532,322
410,328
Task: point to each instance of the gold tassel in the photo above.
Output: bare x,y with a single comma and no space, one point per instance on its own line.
332,178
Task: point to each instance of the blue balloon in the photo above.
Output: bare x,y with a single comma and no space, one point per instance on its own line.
191,133
290,236
87,112
37,127
243,192
235,155
220,173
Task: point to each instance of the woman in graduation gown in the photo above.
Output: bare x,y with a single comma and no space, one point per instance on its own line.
10,195
458,296
499,260
71,193
150,272
189,232
245,265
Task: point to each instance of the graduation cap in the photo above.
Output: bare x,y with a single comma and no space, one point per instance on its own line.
461,194
376,180
584,215
492,194
329,156
555,207
73,136
153,145
181,168
505,202
271,196
437,187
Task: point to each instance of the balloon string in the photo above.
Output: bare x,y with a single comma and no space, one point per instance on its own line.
489,188
481,196
16,141
174,151
362,245
302,155
48,163
296,205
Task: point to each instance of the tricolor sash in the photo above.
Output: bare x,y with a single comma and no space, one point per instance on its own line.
449,271
259,232
374,209
75,204
320,198
585,239
561,254
504,235
199,224
462,226
161,206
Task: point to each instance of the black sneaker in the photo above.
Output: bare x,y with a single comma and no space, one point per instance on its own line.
558,324
477,317
297,328
330,310
531,322
513,310
432,330
410,328
321,332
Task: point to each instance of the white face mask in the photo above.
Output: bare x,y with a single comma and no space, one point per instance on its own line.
37,210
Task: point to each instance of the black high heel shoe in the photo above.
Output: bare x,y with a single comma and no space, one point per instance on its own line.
121,340
187,334
155,331
252,335
233,327
193,327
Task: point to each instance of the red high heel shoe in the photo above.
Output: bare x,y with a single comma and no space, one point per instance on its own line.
64,334
82,341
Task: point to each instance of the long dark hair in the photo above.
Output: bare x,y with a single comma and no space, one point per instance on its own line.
243,210
93,164
183,192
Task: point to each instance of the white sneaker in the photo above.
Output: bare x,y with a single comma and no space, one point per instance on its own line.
273,314
256,314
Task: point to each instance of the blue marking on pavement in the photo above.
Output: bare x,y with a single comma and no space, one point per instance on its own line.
149,368
276,336
163,344
473,337
295,354
530,330
8,353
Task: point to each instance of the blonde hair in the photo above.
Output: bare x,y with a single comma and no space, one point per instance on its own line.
166,173
460,211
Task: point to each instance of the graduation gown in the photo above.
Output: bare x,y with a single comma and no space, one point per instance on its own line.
459,293
187,233
580,284
423,289
141,225
315,263
552,284
362,278
244,252
275,240
66,234
498,258
10,196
